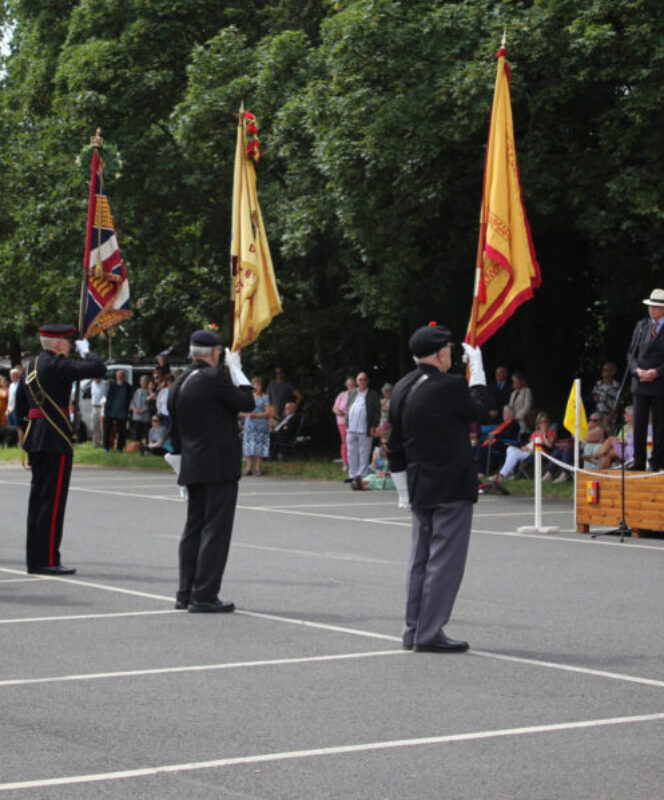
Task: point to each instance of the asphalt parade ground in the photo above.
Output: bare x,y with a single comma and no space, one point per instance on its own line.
107,692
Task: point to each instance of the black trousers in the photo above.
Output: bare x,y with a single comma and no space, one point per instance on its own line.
46,507
206,540
120,432
644,404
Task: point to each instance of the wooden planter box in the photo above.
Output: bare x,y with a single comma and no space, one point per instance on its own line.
644,501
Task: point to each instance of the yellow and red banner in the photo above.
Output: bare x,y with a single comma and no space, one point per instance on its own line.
507,271
255,295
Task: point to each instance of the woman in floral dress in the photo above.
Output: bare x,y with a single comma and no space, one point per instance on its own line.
256,433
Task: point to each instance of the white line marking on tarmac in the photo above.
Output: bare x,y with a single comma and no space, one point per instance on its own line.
130,673
331,751
598,673
306,553
359,632
69,617
19,580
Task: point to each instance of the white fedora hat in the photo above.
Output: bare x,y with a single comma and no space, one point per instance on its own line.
656,298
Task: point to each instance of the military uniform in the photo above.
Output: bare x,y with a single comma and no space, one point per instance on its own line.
430,413
203,406
42,406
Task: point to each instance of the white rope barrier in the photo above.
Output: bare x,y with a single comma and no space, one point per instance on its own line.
604,473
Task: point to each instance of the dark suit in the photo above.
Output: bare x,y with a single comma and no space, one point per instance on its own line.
430,439
48,442
499,397
116,411
647,353
203,406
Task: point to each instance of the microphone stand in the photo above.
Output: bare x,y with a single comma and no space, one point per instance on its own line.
623,529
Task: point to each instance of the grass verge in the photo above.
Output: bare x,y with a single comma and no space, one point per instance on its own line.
319,467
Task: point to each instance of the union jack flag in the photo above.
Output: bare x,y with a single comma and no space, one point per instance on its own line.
108,287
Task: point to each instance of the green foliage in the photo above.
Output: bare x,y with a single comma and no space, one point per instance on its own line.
373,118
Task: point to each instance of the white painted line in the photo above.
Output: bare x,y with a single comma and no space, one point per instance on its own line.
336,505
131,673
365,747
586,540
336,629
305,553
70,617
20,580
597,673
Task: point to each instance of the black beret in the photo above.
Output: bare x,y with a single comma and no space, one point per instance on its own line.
205,339
56,331
428,340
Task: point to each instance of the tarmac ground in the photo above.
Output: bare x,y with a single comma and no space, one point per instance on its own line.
107,692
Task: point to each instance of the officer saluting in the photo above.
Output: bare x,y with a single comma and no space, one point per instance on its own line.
432,465
42,398
203,406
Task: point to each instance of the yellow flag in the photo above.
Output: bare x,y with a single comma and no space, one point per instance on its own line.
507,271
570,414
255,296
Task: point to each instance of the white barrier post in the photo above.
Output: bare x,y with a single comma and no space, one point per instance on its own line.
538,527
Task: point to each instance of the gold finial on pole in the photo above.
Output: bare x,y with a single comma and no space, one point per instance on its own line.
97,140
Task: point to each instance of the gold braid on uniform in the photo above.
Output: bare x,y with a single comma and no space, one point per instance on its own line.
34,376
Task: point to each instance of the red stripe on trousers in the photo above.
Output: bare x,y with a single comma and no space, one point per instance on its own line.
54,518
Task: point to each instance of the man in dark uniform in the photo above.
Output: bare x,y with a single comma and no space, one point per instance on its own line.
432,465
203,406
645,360
42,399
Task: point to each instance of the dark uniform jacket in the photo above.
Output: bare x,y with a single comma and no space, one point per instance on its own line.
431,438
203,406
55,373
646,353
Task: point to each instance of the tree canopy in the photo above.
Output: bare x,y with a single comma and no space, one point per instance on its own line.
373,118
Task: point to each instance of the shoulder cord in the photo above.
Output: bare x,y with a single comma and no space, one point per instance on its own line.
408,398
31,377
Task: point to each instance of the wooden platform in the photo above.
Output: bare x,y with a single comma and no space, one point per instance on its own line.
644,501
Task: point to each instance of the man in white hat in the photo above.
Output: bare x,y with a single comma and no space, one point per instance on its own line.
645,360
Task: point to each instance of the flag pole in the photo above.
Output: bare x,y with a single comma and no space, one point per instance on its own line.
234,260
96,141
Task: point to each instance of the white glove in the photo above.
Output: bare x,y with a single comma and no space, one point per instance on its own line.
234,364
401,483
82,347
473,357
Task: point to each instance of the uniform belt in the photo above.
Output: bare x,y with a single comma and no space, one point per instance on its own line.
37,413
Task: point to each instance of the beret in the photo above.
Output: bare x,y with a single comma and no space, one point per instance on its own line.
428,340
57,331
205,339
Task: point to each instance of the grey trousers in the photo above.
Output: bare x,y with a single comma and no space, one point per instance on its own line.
359,453
437,561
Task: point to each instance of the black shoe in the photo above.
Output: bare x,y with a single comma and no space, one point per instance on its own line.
181,605
218,607
406,645
636,468
56,570
348,480
442,645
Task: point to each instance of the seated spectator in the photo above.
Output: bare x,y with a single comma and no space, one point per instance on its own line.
499,394
140,413
605,392
379,478
612,450
157,436
286,430
521,400
543,433
564,451
281,391
494,442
